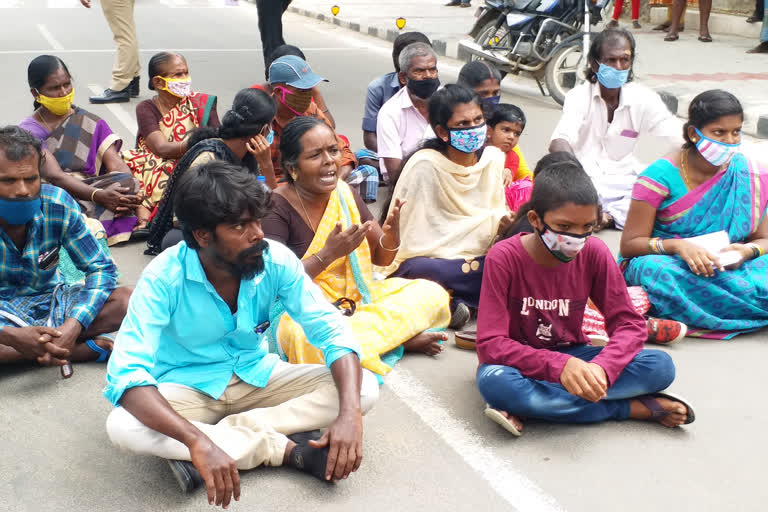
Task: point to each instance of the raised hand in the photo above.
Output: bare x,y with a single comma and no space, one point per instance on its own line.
340,243
391,225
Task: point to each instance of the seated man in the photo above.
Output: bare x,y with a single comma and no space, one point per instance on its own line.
402,121
191,367
603,119
381,89
41,318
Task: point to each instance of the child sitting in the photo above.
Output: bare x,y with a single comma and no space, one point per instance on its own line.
505,126
535,361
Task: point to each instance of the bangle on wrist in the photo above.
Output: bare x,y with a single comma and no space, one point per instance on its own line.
660,246
319,259
757,251
386,249
93,195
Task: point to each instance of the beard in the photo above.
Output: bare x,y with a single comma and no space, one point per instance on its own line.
248,263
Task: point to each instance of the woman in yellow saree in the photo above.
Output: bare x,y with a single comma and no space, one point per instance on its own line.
165,122
328,225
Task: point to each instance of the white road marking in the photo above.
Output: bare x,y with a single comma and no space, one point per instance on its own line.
514,487
49,37
126,119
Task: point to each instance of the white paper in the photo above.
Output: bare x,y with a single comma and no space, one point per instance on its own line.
715,243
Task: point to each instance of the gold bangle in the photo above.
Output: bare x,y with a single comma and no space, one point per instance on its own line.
93,194
319,259
651,246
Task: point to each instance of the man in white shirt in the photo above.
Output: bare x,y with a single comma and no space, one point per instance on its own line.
603,119
403,119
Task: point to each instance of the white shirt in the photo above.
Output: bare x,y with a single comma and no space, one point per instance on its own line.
399,129
606,149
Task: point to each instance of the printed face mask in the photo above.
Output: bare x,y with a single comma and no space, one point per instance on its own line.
297,102
563,246
423,88
611,78
180,87
715,152
270,136
468,140
17,212
57,106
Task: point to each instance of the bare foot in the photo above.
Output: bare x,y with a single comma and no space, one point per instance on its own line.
513,419
427,343
83,352
678,412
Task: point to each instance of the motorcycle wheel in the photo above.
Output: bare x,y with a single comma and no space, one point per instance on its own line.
564,71
489,33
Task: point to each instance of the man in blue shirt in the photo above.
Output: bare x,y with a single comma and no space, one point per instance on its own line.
381,89
191,366
41,318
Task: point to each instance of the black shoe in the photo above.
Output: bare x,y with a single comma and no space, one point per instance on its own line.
110,96
305,437
761,48
754,19
133,87
459,316
186,474
309,460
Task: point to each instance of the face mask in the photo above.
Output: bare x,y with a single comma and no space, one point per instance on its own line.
715,152
297,102
563,246
611,78
423,88
270,136
17,212
489,105
179,87
468,140
57,106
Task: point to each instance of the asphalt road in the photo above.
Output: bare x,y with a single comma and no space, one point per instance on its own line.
428,445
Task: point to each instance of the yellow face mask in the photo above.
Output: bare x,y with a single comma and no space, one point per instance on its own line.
57,106
179,87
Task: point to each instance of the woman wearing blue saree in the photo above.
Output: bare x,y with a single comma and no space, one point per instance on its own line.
708,186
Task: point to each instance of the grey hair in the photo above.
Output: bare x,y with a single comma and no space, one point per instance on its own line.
414,50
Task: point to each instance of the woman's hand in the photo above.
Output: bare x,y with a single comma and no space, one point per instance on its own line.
746,254
260,150
507,177
391,226
700,261
340,243
117,200
505,223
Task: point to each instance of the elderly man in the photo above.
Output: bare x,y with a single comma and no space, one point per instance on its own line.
604,117
41,318
191,366
403,120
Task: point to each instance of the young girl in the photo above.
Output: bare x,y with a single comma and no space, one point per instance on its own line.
534,358
505,126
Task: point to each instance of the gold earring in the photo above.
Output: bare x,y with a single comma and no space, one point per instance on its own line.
293,176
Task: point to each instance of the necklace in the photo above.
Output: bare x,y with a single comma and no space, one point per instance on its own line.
47,126
684,168
311,225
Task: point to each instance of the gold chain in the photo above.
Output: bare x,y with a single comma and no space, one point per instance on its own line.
314,230
684,166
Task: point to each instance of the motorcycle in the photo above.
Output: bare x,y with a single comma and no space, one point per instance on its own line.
547,39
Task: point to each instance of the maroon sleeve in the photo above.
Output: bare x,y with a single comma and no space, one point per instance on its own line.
147,117
496,314
213,118
276,225
626,327
365,213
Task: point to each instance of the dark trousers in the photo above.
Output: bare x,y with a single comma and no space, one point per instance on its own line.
271,24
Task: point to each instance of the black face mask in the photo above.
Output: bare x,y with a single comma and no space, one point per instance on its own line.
423,88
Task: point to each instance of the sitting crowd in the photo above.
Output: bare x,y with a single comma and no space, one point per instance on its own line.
277,302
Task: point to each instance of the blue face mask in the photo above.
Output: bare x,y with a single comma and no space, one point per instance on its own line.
270,136
611,78
490,105
468,140
17,212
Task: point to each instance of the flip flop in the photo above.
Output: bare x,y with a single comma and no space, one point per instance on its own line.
103,353
499,418
672,37
705,39
658,412
465,339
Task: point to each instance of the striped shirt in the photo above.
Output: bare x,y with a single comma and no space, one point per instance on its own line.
59,225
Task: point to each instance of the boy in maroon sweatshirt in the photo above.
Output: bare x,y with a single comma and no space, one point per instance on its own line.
535,361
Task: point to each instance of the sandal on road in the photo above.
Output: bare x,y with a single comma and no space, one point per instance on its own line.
658,412
466,339
502,420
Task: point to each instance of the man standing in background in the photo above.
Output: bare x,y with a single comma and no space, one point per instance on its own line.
125,73
271,25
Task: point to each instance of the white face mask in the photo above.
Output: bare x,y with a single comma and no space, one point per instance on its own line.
563,246
715,152
181,87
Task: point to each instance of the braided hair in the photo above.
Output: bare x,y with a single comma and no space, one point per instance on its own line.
251,111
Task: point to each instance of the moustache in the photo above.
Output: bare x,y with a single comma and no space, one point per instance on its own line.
255,250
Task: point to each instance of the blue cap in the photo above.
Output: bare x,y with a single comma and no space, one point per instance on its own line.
293,71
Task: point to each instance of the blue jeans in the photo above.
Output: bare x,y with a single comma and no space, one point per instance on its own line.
506,389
